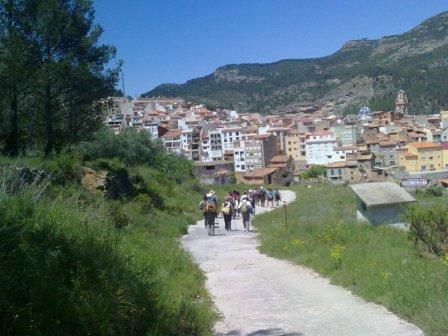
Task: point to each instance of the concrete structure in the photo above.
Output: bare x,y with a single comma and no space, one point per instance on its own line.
380,202
216,172
285,169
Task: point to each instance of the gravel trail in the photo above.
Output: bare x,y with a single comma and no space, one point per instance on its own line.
262,296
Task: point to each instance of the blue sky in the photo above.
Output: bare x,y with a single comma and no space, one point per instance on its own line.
173,41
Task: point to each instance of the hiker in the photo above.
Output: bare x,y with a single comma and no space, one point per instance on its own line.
246,209
227,211
270,196
278,197
210,215
211,197
252,196
202,207
262,196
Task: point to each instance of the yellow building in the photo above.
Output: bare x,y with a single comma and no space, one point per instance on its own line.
295,146
418,157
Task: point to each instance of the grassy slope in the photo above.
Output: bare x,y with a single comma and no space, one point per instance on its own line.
377,263
75,273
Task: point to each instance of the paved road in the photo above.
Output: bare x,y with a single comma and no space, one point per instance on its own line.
261,296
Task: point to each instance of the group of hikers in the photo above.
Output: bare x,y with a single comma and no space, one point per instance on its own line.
236,204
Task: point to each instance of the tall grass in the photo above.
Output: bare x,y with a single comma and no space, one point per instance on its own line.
68,269
378,263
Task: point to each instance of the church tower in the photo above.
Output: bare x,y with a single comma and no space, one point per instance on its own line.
401,103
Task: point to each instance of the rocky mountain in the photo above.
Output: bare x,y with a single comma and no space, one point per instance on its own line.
362,72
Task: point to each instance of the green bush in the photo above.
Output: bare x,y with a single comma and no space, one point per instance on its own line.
129,146
314,172
429,227
63,169
435,190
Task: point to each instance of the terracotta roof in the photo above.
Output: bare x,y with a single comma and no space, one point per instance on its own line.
409,155
172,133
279,159
423,145
260,172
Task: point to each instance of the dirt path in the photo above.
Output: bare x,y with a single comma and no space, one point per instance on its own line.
260,295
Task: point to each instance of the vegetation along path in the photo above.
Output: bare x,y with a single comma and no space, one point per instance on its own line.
260,295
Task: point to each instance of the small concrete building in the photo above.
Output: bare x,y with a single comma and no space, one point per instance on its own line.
380,202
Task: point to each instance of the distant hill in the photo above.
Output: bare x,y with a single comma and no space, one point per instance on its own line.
362,72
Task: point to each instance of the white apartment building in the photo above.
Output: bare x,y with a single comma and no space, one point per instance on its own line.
239,156
320,148
211,145
186,142
151,128
172,141
229,136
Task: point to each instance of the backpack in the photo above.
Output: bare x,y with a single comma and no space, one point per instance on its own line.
270,195
261,192
210,208
277,195
226,208
244,208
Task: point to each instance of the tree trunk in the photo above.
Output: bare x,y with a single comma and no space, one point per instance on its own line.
49,120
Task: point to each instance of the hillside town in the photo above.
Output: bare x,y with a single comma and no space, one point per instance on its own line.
262,149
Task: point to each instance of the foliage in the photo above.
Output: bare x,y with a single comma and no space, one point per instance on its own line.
83,264
377,263
51,63
429,227
314,172
435,190
129,146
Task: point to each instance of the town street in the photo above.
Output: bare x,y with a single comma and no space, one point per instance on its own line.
260,295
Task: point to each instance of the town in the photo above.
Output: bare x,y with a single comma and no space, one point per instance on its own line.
251,148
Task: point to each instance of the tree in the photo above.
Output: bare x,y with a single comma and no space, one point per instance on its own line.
14,67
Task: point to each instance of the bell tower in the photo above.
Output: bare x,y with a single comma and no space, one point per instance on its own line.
401,103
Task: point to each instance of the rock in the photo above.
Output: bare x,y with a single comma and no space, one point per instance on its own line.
93,180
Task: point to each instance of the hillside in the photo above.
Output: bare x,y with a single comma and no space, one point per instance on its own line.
362,72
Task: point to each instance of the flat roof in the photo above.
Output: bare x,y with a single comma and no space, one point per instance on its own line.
381,193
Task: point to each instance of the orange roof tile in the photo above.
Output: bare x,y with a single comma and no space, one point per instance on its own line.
423,145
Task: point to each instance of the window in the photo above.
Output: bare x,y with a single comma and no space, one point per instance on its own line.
423,168
332,171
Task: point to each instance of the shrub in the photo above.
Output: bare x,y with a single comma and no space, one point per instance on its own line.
63,169
314,172
429,227
119,219
435,190
118,184
129,146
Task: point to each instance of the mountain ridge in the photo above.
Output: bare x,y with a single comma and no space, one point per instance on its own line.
362,72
